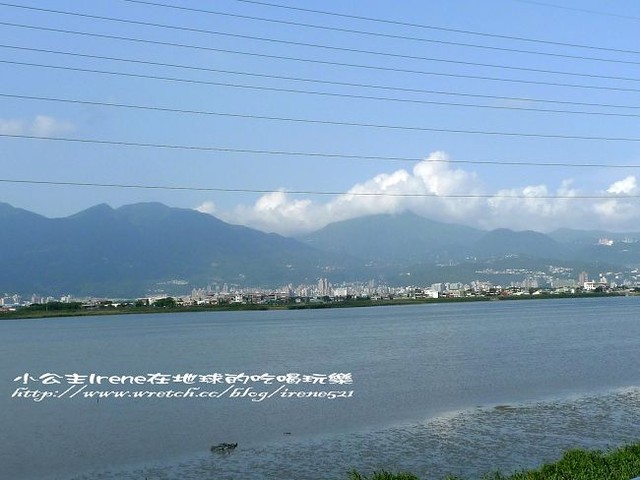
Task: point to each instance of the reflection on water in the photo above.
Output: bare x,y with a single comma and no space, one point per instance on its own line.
466,443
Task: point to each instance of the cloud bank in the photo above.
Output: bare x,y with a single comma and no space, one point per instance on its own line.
441,180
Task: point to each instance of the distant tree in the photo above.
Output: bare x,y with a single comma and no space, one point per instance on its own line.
167,302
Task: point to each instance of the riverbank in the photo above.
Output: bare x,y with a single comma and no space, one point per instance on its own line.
56,309
620,464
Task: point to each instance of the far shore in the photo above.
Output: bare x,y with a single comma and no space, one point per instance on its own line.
56,309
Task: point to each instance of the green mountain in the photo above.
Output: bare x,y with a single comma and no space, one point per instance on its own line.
403,239
502,242
590,237
407,240
142,248
145,247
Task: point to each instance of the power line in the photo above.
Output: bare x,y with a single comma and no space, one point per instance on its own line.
284,90
435,28
528,163
377,34
315,192
372,125
325,47
324,82
323,62
574,9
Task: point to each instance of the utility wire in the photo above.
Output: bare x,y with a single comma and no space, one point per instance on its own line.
325,82
573,9
377,34
323,62
435,28
376,125
315,192
325,47
281,90
528,163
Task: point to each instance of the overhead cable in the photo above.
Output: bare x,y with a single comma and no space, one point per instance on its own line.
575,9
324,47
436,28
496,196
283,90
325,82
342,156
323,62
376,34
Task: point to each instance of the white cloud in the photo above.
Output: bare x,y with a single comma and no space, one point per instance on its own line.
43,126
621,209
627,185
11,127
280,213
534,210
40,126
206,207
429,190
276,212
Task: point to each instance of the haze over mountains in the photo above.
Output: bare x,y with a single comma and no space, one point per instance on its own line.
149,247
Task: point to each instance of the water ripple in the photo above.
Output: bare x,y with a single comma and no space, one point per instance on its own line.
468,443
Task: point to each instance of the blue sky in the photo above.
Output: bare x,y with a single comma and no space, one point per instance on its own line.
392,59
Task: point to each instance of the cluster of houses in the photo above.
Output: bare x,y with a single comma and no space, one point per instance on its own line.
324,292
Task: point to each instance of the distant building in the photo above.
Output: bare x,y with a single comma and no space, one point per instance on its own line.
591,286
324,288
341,292
583,277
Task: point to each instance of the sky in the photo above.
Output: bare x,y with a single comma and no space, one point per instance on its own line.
286,116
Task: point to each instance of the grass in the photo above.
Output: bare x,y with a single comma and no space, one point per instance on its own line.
382,475
620,464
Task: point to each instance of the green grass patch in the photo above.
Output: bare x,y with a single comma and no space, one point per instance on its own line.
382,475
578,464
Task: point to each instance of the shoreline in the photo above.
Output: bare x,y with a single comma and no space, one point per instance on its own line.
26,313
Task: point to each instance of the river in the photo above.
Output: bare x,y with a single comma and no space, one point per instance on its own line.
434,389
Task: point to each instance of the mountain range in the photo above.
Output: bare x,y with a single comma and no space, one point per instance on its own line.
140,248
407,239
149,247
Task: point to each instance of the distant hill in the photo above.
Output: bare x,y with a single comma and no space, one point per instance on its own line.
503,270
402,239
143,247
589,237
406,240
622,248
502,242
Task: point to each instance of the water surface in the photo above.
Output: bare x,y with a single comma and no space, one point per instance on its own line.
426,381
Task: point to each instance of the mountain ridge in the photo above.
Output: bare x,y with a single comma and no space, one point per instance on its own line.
93,251
138,248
